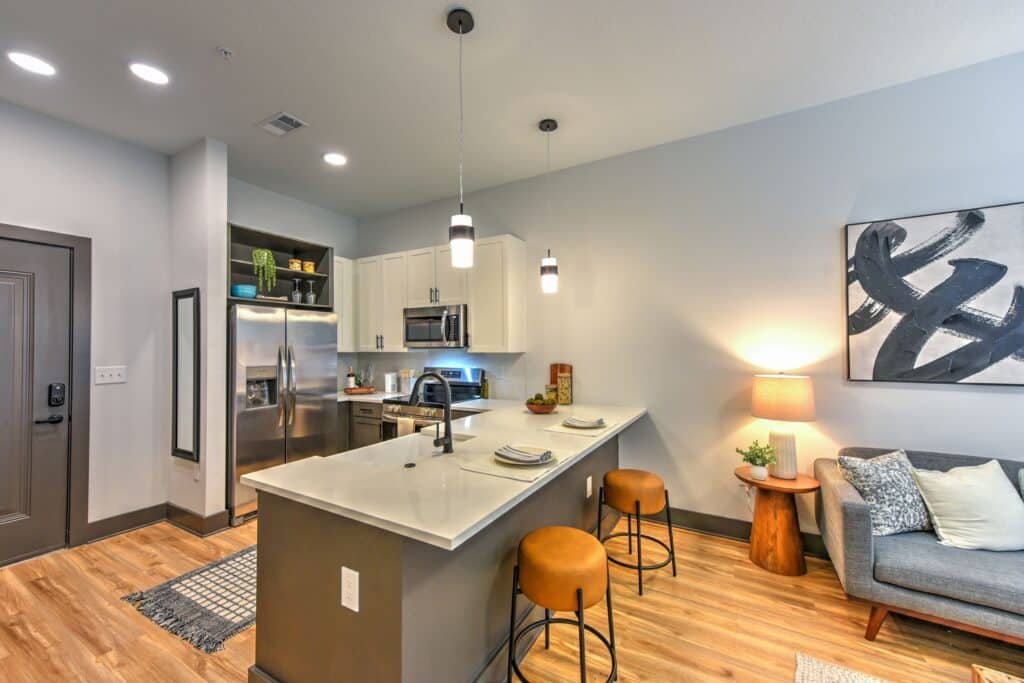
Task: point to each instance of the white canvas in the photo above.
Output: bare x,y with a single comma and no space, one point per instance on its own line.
963,328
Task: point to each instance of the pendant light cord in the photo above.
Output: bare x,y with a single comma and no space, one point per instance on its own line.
547,137
461,133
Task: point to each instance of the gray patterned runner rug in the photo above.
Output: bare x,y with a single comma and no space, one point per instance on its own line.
207,605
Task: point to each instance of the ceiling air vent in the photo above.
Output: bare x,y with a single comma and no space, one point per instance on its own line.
281,124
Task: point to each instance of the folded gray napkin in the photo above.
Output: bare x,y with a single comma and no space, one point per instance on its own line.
580,423
516,455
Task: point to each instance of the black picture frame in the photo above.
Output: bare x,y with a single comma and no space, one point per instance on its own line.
846,300
176,449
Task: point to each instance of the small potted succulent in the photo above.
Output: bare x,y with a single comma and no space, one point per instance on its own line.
758,457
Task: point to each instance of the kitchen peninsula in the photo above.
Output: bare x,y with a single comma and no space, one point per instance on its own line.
432,546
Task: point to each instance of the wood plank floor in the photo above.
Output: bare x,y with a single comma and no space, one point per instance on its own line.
61,618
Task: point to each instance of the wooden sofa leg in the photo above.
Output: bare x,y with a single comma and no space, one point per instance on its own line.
878,615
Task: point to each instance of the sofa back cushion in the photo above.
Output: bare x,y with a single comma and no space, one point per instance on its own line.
943,462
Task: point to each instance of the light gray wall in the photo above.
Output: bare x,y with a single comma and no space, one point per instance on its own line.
261,209
199,248
688,267
58,177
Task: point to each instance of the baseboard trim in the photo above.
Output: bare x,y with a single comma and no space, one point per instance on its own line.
736,529
118,524
197,524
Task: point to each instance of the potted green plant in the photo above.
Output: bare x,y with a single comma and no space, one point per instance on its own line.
264,267
758,457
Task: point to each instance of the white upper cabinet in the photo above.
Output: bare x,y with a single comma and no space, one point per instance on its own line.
431,278
394,282
345,303
450,284
368,303
493,288
420,286
497,297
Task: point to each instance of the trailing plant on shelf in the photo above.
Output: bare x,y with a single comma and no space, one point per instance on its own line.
264,268
758,455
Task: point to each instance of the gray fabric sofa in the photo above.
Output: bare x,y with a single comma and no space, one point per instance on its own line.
913,574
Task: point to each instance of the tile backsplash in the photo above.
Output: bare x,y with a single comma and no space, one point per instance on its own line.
507,373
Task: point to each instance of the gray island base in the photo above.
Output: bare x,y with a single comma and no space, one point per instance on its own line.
426,613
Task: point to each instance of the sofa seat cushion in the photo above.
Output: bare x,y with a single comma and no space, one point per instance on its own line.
917,561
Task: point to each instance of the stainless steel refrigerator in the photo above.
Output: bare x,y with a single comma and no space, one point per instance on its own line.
283,393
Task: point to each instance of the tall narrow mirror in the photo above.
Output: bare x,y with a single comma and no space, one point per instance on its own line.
185,375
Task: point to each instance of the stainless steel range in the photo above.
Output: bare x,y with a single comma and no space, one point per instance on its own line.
466,384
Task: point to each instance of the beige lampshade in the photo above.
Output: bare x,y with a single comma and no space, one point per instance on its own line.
786,398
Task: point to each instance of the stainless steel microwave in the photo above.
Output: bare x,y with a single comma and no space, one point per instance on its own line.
429,327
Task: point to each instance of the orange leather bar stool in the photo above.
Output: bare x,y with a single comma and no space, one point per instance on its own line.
635,493
562,569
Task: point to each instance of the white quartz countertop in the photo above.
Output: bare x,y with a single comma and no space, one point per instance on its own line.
436,501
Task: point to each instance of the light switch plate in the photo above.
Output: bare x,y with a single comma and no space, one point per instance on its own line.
111,374
590,485
350,589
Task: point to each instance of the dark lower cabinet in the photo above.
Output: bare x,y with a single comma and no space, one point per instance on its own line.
364,432
344,420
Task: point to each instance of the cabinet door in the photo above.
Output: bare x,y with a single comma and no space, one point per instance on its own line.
368,297
450,282
365,432
344,303
392,309
344,418
419,277
487,298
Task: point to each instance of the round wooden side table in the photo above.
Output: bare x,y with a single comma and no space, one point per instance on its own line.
775,542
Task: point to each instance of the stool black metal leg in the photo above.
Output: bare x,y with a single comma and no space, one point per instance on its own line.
629,531
671,534
547,630
611,625
639,552
600,512
512,622
583,644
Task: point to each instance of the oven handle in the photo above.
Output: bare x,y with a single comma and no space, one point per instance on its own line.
417,421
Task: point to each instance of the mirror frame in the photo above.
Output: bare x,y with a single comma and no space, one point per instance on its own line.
177,296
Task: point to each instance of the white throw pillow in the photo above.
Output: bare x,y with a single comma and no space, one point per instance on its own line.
974,508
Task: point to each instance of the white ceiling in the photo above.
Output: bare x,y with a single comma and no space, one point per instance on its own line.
377,79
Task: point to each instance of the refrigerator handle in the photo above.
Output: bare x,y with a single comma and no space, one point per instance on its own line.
282,377
291,383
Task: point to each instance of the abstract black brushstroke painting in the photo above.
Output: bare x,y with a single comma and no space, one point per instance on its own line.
937,298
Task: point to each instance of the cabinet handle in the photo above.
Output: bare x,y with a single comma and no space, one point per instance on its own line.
437,295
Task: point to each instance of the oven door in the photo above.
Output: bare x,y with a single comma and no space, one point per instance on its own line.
429,327
389,425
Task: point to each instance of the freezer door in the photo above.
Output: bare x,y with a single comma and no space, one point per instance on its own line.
258,400
312,359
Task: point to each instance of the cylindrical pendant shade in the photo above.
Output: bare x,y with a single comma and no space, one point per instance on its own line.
461,236
549,275
786,398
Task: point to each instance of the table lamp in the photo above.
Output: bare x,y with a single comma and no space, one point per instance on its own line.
783,398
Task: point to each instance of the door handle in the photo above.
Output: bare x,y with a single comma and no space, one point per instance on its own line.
51,420
282,393
291,383
437,295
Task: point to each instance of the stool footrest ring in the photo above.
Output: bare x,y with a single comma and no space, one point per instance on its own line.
645,567
561,620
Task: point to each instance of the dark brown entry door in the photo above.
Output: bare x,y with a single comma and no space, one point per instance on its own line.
35,340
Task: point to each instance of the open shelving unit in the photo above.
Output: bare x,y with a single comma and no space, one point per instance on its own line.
241,242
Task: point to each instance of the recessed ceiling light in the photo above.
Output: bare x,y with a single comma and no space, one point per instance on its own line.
335,159
31,63
150,74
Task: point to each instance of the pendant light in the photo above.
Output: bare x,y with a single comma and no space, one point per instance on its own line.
460,231
548,264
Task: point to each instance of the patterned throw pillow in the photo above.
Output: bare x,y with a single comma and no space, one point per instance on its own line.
887,484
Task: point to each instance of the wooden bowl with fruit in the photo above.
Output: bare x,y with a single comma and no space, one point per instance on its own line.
540,405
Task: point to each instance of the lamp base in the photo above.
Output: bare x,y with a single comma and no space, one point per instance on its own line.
784,443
